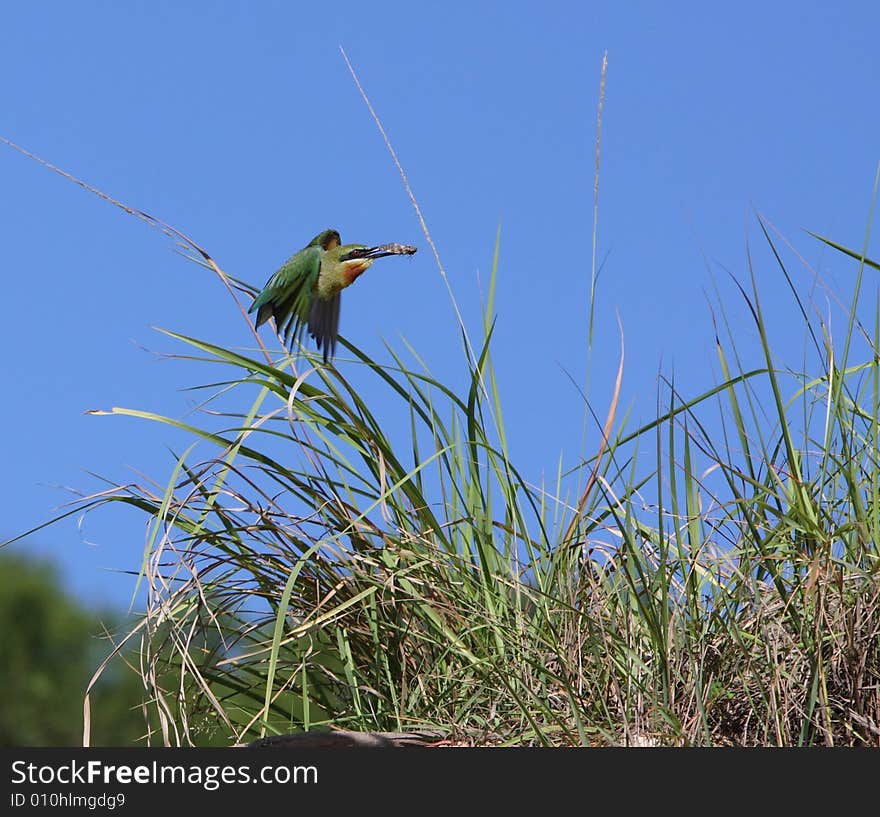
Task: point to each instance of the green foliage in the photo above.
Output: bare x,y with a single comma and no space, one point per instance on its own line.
50,646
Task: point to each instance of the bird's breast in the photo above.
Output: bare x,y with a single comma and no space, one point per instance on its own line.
353,269
337,278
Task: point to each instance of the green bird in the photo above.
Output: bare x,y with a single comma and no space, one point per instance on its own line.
306,291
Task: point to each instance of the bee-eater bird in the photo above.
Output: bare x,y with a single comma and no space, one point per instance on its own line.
306,291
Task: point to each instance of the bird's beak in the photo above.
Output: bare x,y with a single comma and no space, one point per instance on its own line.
381,250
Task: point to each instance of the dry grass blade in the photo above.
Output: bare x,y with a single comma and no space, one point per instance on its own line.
412,198
603,445
173,233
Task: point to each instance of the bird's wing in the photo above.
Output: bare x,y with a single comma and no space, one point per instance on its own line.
288,294
324,323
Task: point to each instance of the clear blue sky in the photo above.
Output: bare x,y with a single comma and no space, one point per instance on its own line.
239,124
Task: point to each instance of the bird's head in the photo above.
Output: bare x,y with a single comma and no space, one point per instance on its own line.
327,240
352,260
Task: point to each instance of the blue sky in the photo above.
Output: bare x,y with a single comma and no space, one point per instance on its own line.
239,124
